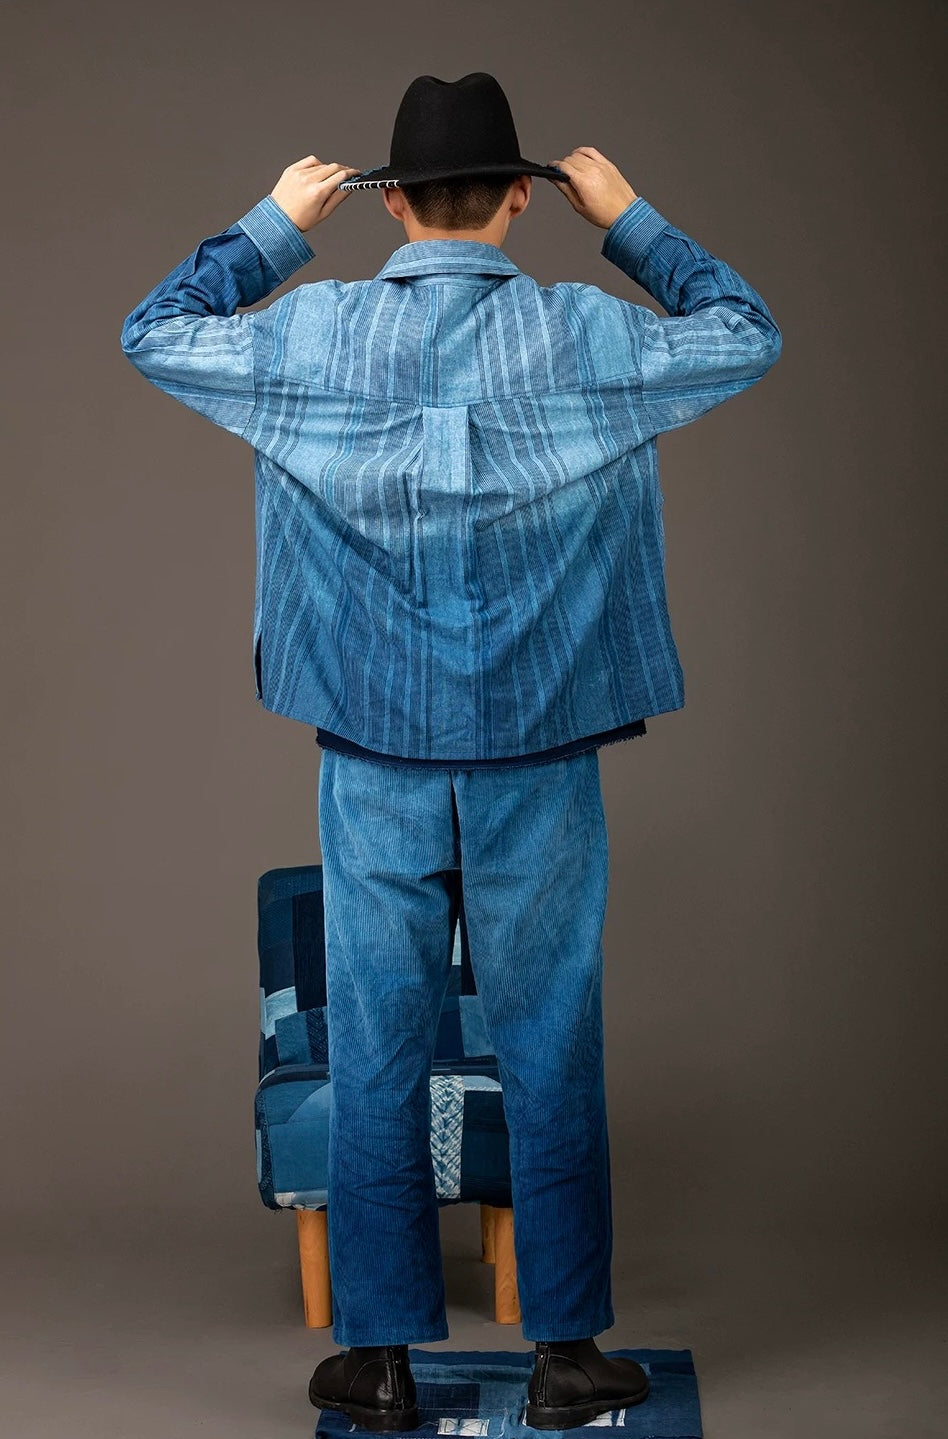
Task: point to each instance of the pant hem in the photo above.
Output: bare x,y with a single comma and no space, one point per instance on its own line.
555,1334
412,1338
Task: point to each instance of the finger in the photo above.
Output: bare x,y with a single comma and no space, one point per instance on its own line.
579,162
334,177
332,202
567,167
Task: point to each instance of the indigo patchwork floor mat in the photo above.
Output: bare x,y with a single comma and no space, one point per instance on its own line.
485,1393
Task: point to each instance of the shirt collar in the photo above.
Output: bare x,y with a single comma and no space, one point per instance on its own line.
450,257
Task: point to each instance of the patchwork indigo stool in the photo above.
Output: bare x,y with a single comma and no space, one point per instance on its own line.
470,1142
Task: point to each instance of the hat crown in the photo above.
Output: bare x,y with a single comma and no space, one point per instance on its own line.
454,123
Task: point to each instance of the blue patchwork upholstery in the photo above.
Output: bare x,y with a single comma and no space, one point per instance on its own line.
470,1143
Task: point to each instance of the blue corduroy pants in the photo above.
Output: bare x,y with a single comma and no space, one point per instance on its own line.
530,845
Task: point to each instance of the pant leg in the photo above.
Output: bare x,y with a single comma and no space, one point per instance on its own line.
534,866
390,861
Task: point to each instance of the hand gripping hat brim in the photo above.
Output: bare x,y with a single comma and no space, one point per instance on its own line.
452,128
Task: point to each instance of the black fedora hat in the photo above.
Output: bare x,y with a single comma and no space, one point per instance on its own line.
447,128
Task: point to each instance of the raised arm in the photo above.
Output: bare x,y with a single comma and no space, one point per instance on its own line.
185,336
720,337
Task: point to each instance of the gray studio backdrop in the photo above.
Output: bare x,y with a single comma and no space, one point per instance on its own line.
775,942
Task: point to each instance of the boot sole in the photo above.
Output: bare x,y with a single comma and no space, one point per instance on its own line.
539,1416
380,1420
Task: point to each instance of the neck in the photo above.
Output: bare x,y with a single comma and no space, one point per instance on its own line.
492,234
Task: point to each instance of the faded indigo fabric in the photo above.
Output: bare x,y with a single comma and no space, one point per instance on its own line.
535,881
460,546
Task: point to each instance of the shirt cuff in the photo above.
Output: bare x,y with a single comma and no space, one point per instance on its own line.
631,233
275,234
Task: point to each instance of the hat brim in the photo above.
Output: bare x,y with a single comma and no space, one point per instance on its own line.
392,176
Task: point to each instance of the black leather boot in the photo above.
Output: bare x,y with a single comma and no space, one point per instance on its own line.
572,1382
373,1384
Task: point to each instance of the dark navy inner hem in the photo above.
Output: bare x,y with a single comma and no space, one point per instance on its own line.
328,740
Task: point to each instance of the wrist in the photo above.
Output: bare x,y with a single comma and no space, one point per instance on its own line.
287,210
620,210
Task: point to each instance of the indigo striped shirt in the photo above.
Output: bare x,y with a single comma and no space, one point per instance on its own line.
460,548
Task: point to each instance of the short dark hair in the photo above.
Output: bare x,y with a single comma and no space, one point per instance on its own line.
457,203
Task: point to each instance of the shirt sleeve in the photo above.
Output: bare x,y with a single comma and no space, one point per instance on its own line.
185,336
719,337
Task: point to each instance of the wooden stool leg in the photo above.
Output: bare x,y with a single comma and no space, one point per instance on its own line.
506,1300
487,1233
314,1267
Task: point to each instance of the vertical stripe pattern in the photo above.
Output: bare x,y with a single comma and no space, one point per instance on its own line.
460,548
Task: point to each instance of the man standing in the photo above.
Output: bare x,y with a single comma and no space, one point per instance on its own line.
460,583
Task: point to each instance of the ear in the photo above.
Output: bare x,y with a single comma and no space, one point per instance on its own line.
520,194
394,201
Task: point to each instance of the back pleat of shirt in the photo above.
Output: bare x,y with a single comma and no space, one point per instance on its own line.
472,501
